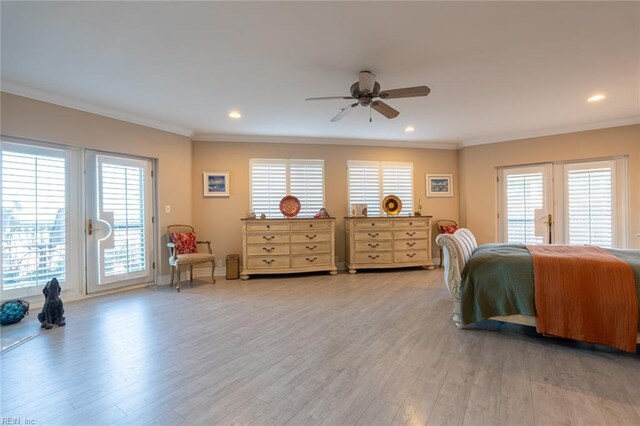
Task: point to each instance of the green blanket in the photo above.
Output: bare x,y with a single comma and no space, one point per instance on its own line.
498,280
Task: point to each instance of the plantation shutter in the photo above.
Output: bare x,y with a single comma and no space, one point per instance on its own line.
268,186
123,195
590,204
306,179
397,179
364,185
34,199
524,194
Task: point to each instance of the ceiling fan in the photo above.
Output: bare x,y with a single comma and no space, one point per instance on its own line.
367,89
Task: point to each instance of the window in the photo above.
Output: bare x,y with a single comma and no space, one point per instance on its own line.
34,216
272,179
524,196
371,181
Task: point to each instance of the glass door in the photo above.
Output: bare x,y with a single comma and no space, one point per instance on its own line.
526,204
119,211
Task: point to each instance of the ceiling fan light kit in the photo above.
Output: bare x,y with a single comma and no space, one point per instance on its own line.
367,89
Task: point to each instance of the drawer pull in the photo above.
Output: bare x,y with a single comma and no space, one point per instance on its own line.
411,234
410,254
311,225
373,245
268,226
373,235
373,224
269,238
268,261
311,247
268,249
311,259
311,237
372,256
410,223
411,244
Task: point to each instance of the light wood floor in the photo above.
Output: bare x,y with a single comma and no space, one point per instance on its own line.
372,349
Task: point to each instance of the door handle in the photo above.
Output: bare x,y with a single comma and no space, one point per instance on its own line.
90,227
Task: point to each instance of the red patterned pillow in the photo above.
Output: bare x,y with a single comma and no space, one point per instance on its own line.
448,229
185,243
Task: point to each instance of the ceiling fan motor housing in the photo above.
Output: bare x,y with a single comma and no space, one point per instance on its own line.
364,98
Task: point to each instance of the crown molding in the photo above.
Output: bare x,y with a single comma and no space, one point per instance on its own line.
550,132
216,137
44,96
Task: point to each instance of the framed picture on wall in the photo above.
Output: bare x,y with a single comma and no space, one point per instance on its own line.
439,185
216,184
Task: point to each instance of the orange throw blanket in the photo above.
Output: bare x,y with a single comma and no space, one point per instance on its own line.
585,293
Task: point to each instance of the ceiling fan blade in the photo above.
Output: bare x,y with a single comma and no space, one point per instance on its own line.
384,109
329,97
343,112
366,82
407,92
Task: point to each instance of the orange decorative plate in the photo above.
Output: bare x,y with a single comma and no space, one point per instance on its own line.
290,206
392,205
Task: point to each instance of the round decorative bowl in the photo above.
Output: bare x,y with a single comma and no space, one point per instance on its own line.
392,205
290,206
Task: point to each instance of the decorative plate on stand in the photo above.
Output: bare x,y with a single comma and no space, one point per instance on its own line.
290,206
392,205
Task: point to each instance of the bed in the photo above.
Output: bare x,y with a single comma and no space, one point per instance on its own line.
476,297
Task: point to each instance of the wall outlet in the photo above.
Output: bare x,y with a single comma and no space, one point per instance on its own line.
218,263
167,208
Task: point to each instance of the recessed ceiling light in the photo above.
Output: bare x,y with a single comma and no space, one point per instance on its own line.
409,129
596,98
235,114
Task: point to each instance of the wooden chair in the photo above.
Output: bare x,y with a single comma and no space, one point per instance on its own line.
440,224
177,261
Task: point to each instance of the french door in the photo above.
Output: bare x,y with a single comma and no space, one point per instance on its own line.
564,203
119,215
526,198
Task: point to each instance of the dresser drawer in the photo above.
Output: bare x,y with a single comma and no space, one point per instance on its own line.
410,234
311,236
373,258
372,224
267,249
273,226
411,223
410,256
410,245
301,261
310,225
268,238
267,262
372,235
373,245
310,248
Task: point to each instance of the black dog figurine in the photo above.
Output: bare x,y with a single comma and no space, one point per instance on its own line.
52,311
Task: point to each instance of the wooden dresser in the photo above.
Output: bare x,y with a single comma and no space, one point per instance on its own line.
388,242
281,246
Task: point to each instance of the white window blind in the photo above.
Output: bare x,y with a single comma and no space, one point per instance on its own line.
306,181
364,185
272,179
590,216
123,195
34,200
524,194
397,179
371,181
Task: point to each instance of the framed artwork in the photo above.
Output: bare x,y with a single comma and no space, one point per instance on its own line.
216,184
439,185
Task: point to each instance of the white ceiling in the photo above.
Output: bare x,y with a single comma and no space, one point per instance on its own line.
497,70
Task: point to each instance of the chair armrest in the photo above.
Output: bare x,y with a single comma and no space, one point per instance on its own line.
172,249
208,243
